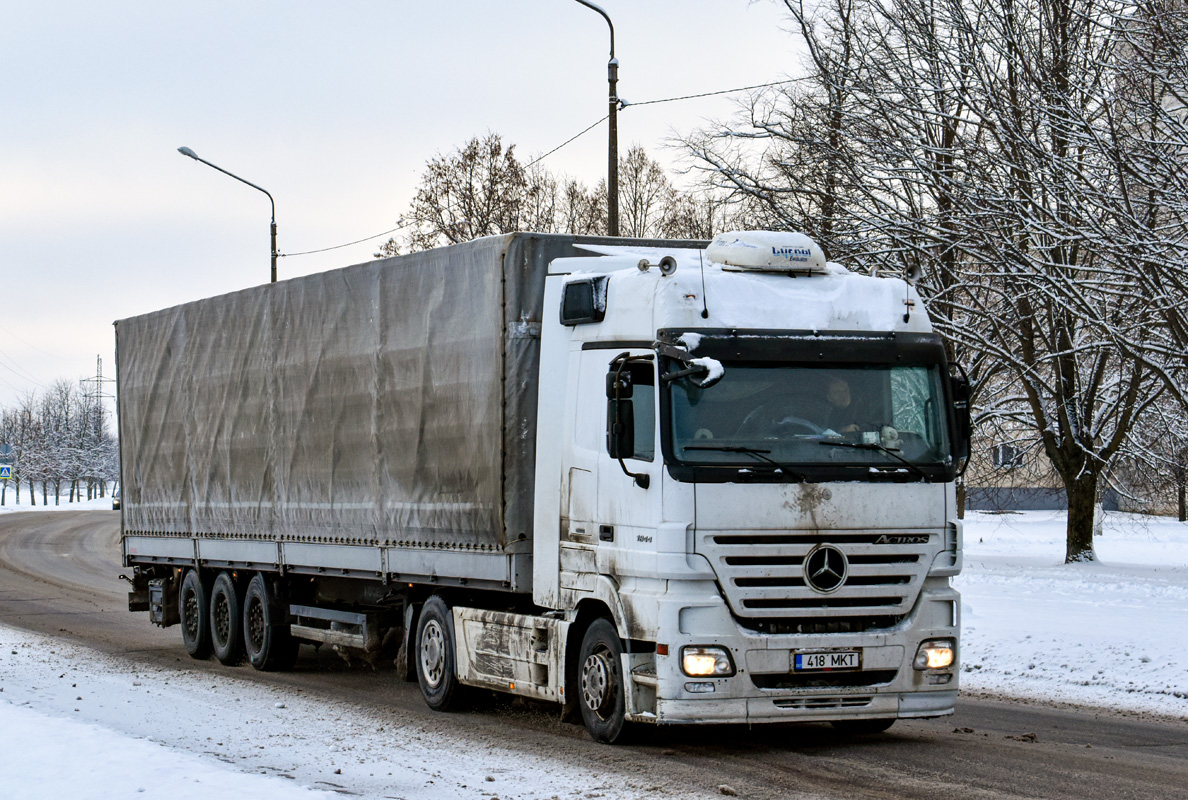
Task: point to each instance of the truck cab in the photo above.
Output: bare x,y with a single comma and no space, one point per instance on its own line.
745,462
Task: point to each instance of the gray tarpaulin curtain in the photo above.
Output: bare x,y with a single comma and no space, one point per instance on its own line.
362,405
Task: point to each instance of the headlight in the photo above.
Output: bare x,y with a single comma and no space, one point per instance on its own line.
699,662
935,654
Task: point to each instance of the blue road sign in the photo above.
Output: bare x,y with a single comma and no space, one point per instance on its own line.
5,472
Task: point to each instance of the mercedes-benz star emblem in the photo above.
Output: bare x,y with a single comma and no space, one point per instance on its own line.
825,568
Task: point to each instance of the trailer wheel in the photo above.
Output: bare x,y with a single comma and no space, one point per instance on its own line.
435,656
600,681
861,727
193,607
226,621
266,639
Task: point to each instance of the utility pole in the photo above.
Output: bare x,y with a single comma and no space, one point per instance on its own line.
612,167
185,151
93,430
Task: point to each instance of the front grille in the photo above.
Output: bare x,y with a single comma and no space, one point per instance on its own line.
810,603
861,580
783,680
763,577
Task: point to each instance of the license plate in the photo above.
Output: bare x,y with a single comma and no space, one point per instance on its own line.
824,660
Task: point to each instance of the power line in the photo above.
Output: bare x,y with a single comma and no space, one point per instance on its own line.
32,346
625,105
18,370
570,140
708,94
348,244
567,141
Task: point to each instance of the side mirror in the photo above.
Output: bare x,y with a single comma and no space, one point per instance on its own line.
620,416
959,388
620,428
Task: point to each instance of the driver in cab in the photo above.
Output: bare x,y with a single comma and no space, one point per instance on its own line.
839,418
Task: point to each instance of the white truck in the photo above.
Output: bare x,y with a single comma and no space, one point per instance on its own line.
654,482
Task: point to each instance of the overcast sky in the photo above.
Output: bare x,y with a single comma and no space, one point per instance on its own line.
333,107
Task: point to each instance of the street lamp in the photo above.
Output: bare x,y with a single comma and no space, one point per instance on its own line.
612,170
185,151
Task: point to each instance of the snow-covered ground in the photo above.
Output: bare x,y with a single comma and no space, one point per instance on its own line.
77,723
1108,633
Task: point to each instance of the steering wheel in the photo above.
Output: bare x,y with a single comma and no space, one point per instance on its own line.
769,419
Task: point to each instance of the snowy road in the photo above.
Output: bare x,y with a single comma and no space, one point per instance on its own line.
338,729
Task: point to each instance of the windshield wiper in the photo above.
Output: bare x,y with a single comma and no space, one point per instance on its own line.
750,451
880,448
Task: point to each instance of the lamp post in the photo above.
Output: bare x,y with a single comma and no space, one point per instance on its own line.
612,170
185,151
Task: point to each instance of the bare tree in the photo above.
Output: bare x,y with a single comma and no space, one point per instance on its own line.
983,146
58,438
482,189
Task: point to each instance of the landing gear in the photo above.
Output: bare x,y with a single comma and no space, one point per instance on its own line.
226,621
600,680
193,607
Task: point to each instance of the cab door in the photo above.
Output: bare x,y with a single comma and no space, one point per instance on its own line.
629,475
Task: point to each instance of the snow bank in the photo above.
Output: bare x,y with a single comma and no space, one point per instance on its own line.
64,504
1109,633
44,756
124,728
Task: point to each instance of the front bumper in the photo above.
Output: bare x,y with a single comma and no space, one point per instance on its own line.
764,687
809,708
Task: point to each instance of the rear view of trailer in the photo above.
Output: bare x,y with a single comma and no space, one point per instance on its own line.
377,421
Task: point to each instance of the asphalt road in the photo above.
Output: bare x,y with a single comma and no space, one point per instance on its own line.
59,576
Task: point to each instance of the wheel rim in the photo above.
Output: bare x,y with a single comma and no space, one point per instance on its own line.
432,653
190,610
222,619
598,683
255,627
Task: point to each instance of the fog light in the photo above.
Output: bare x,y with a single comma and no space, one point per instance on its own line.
701,661
935,654
699,688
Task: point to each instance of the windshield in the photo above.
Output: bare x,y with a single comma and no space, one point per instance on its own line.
771,415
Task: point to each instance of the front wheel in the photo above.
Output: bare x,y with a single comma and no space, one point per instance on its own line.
435,657
600,680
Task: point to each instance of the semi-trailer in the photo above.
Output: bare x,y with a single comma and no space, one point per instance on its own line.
655,482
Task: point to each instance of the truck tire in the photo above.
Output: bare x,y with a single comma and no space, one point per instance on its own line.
862,727
435,656
226,621
266,639
600,683
194,608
